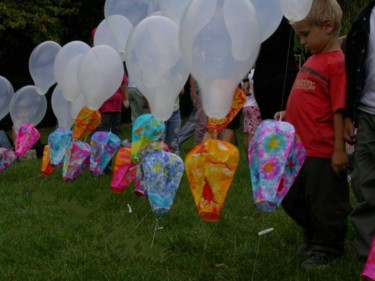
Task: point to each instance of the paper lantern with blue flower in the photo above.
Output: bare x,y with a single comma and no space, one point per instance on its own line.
276,155
103,147
162,173
58,142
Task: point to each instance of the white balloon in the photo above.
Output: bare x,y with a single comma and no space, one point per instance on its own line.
220,42
154,62
269,16
69,84
295,10
79,103
41,63
114,31
62,109
67,52
174,9
134,10
6,94
100,74
27,106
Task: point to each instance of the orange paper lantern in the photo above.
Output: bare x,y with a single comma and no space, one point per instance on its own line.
210,168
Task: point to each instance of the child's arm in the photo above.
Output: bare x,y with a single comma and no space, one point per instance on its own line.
339,160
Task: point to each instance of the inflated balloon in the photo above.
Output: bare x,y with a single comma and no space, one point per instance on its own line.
124,170
154,61
295,10
77,158
162,175
173,9
275,155
27,106
146,129
220,41
62,109
103,147
210,168
26,136
100,74
86,122
215,126
369,270
7,158
114,31
41,65
134,10
63,57
69,81
269,16
58,142
6,94
46,168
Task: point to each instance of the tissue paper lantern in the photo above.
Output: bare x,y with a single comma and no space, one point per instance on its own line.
26,137
86,122
77,158
103,147
7,158
162,173
210,168
58,142
275,155
47,168
215,126
146,129
124,170
368,273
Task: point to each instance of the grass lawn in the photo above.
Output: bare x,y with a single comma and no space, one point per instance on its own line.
51,230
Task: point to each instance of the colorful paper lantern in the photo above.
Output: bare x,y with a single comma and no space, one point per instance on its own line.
210,168
77,158
103,147
146,129
162,175
26,137
275,155
47,168
369,270
7,158
215,126
58,142
86,122
124,171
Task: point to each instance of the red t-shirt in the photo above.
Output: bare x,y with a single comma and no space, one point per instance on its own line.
114,103
317,94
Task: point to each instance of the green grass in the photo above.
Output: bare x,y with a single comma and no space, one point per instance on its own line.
51,230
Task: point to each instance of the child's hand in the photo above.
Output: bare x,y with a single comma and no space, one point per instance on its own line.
279,116
339,161
349,134
126,103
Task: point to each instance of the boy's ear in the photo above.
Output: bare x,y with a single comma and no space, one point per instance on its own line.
328,26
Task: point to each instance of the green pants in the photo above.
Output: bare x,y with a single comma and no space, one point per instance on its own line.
363,183
137,103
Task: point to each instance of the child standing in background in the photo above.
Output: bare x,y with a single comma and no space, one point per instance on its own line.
318,200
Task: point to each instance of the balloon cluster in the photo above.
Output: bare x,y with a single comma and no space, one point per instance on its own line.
162,41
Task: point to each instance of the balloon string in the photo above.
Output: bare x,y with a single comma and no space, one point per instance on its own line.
286,71
139,223
204,253
155,229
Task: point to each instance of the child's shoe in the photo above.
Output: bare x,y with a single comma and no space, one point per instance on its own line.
318,260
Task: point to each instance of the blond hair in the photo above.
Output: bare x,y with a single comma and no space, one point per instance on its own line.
323,10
